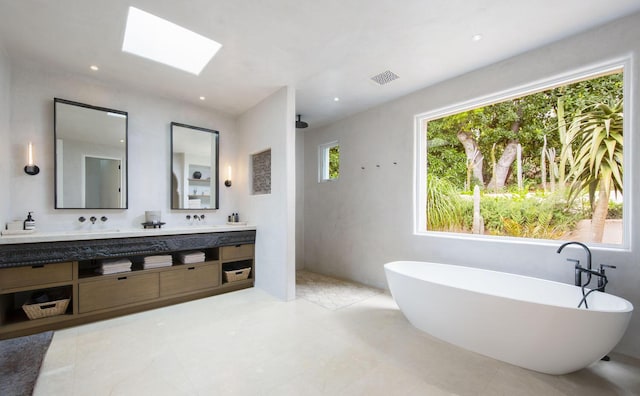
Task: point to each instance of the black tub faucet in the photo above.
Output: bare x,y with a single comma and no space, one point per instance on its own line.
602,280
579,270
578,267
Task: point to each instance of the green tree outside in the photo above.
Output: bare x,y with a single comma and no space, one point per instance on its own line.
478,146
334,162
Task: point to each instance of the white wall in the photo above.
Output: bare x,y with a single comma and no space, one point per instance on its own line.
270,125
5,105
299,199
365,219
32,91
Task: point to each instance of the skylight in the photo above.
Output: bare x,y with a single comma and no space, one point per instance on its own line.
157,39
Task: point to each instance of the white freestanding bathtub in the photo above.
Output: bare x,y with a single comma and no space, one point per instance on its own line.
529,322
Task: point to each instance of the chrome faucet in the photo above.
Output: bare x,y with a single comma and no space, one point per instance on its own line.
578,267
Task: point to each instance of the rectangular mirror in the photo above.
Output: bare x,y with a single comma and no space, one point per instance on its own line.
194,167
90,156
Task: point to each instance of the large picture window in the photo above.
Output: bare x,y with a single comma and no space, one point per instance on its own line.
544,162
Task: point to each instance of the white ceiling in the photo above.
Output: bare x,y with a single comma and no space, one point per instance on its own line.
324,48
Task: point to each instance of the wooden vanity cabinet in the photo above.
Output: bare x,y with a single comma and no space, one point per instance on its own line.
189,277
95,297
235,258
236,252
117,290
37,274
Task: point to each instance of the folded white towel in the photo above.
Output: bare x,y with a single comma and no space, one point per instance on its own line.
156,265
158,259
115,262
109,270
191,260
191,257
122,265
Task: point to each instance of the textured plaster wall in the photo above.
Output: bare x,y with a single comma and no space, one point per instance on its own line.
5,105
356,224
300,199
270,126
26,114
31,101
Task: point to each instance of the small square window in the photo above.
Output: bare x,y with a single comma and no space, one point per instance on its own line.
328,161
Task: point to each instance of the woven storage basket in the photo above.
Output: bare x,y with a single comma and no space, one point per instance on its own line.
237,275
45,309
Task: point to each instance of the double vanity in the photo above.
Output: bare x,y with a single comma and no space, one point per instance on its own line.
58,279
64,264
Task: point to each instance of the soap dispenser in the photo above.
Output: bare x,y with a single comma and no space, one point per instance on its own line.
29,223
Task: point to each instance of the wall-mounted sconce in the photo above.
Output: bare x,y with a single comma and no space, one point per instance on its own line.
228,181
31,168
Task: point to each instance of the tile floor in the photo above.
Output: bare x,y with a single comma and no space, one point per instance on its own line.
330,293
249,343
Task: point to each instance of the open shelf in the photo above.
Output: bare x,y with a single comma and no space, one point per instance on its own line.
238,284
87,295
234,266
13,313
87,268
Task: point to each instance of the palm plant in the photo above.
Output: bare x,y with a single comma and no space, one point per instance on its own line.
598,164
443,205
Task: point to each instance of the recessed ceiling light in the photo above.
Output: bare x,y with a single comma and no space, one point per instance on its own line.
121,140
157,39
476,37
202,98
93,67
336,99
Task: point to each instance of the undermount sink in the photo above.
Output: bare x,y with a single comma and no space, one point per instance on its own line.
91,231
192,227
108,233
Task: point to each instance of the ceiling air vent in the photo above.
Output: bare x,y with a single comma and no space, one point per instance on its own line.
385,77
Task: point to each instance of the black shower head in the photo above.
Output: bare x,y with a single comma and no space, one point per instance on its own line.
301,124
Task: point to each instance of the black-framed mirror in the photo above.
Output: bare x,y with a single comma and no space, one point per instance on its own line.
194,167
91,156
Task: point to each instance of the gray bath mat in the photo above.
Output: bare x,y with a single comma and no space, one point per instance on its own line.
20,361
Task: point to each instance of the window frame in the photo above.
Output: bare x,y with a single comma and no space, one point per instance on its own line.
591,71
323,162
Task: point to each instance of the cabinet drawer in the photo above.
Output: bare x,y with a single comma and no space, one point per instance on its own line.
32,275
116,291
234,252
190,278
